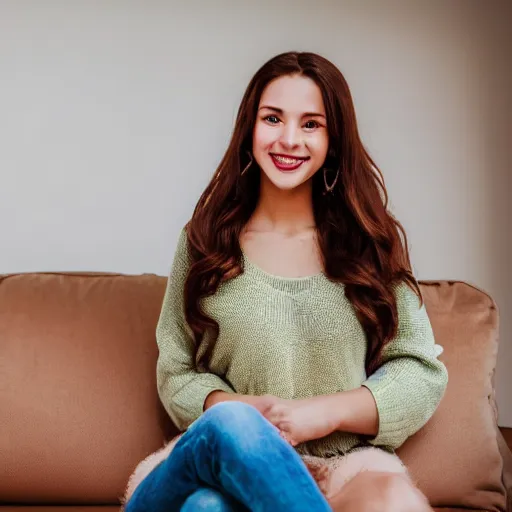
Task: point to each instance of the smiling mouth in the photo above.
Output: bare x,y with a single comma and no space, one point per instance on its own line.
288,163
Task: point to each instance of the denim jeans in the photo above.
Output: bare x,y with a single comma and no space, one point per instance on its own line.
230,460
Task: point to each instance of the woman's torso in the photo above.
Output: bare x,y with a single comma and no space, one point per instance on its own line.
292,337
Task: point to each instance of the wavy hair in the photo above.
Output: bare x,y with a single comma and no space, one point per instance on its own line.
362,245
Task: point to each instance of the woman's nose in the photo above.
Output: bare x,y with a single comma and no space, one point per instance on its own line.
289,136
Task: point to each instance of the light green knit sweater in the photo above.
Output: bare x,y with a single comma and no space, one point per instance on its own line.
297,338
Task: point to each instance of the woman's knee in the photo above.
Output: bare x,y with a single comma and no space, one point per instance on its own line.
231,410
399,491
208,500
369,459
233,419
371,491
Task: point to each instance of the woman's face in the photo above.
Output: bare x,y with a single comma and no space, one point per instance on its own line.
290,139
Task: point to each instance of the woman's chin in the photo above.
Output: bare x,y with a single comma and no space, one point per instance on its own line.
287,181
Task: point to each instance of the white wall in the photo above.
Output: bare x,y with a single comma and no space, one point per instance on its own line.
114,114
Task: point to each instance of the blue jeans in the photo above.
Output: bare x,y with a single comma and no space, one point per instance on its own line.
231,459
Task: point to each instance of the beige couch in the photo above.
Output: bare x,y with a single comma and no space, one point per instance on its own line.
79,407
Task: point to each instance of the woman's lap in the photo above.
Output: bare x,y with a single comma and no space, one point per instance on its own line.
338,470
233,448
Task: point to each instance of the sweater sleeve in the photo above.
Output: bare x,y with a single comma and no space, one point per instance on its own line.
181,388
411,382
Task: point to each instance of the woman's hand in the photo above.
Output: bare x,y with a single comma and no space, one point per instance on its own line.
262,403
302,420
307,419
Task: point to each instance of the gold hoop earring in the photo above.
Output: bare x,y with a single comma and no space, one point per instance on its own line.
246,168
330,188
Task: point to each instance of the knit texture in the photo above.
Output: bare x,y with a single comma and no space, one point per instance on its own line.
297,338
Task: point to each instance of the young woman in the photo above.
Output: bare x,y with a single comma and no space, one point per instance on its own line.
293,339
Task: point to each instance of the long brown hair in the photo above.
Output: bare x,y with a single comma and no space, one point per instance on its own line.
363,245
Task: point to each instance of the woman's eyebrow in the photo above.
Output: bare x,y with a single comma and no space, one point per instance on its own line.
280,111
275,109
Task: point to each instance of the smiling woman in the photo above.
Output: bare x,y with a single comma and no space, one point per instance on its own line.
290,142
293,341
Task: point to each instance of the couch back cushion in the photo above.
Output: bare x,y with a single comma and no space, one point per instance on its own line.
80,407
455,458
77,385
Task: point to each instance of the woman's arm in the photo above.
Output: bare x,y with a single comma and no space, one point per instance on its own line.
307,419
401,396
181,388
262,402
352,411
392,404
410,383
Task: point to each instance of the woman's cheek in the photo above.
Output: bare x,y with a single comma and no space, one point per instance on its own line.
264,136
319,143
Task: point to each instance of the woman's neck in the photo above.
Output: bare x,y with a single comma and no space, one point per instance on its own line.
288,212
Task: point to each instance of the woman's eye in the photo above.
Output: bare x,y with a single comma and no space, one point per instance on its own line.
272,119
311,125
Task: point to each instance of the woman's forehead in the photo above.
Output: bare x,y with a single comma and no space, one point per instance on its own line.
293,95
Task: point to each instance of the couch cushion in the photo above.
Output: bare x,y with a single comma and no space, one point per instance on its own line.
77,385
455,458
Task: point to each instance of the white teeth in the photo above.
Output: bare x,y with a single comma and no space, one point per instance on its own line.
288,161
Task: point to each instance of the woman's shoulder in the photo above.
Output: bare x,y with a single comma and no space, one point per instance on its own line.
182,239
181,258
408,300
